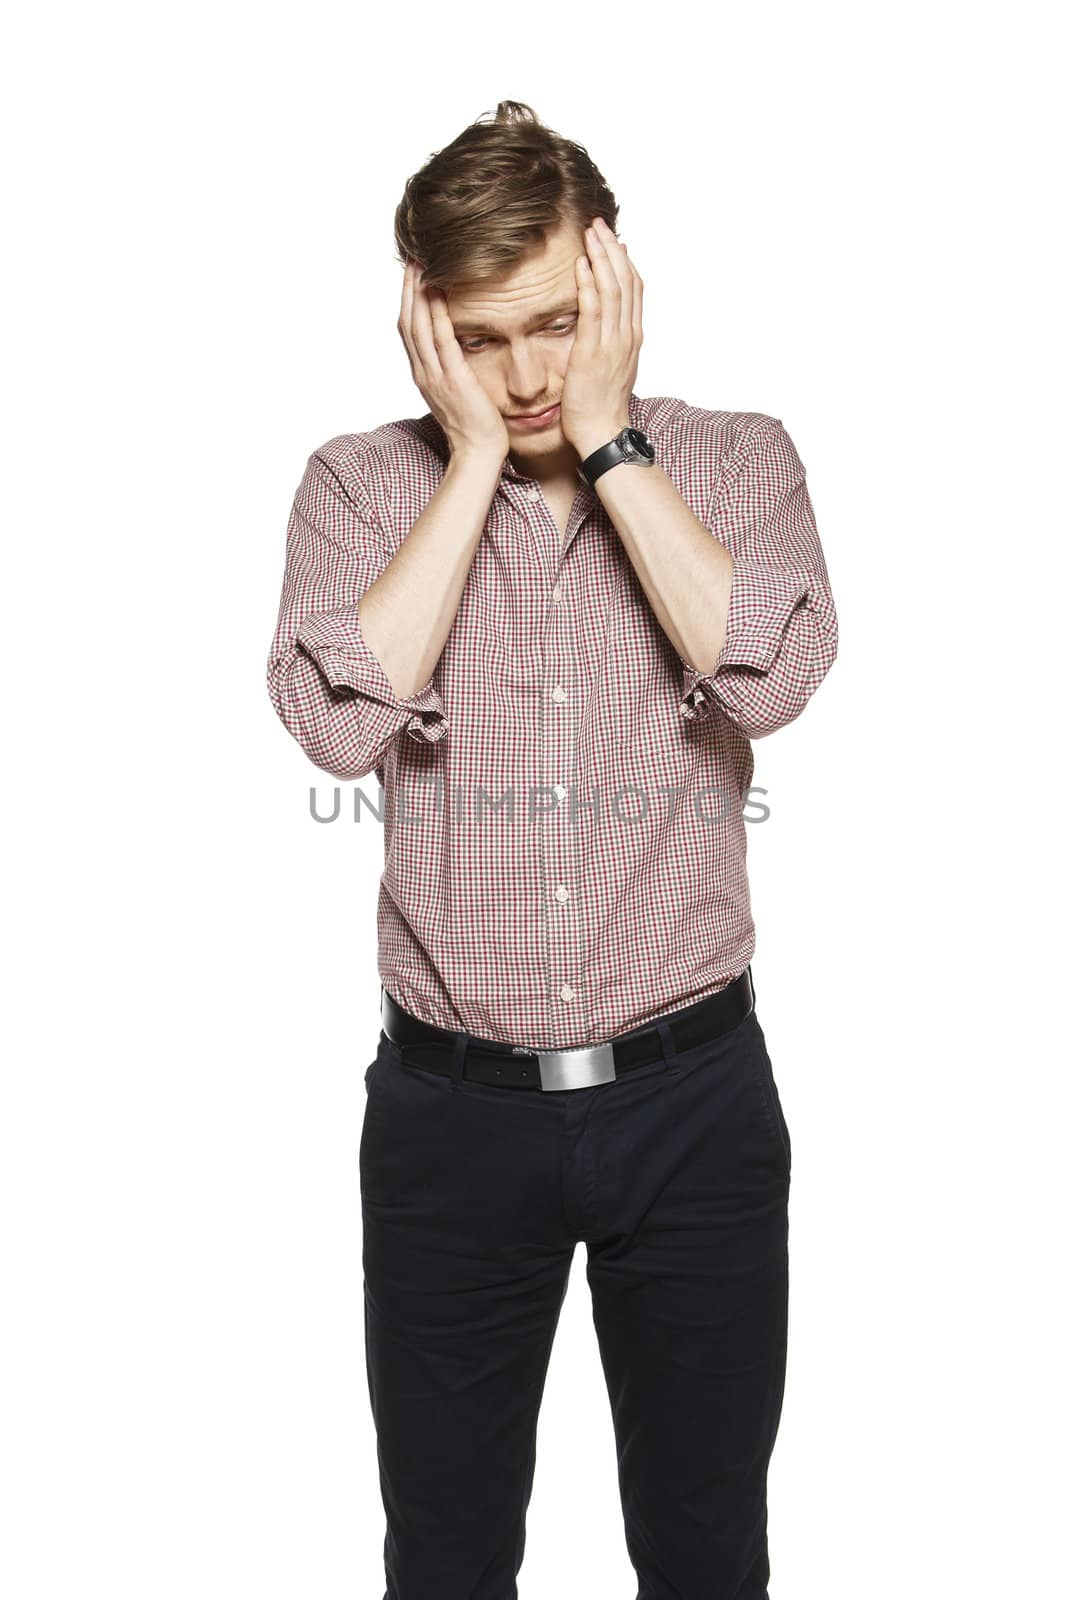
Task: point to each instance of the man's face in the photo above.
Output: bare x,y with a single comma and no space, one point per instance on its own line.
516,334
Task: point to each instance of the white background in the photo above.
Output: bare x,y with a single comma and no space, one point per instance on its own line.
845,217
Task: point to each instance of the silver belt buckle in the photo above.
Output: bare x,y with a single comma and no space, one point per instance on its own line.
558,1069
576,1069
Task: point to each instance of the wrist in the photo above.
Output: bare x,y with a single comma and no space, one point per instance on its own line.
594,435
472,461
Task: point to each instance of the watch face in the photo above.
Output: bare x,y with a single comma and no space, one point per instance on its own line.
640,443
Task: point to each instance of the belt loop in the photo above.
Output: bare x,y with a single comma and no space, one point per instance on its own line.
457,1066
669,1049
751,980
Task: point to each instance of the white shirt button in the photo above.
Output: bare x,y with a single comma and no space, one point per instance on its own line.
561,893
560,791
556,592
557,693
535,494
566,992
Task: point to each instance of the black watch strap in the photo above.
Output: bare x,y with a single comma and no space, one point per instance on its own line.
631,445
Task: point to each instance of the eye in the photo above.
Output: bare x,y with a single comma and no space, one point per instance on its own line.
474,343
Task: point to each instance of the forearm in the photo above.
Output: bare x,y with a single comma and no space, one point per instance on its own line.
408,611
686,574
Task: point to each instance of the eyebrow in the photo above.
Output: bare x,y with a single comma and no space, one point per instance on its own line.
569,307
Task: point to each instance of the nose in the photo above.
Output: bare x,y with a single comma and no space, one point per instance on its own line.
526,380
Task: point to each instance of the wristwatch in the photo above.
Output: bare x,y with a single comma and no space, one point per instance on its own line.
631,446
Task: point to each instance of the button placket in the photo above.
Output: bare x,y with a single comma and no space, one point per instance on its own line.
560,843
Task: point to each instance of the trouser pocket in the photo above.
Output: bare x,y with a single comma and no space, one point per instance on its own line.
771,1099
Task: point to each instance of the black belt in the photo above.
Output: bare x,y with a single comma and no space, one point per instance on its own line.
431,1048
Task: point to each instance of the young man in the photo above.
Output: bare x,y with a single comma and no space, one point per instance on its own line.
553,638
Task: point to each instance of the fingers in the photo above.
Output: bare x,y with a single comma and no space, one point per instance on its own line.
613,277
587,294
446,345
423,332
405,317
415,325
637,298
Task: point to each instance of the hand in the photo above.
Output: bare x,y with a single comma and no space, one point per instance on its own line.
469,417
605,354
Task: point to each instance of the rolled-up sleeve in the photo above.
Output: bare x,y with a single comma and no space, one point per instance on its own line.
781,634
324,680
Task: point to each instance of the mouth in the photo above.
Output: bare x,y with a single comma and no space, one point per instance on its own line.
536,418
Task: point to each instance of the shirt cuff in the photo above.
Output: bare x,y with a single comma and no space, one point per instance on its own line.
344,656
762,600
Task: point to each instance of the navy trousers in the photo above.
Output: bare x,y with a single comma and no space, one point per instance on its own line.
474,1197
